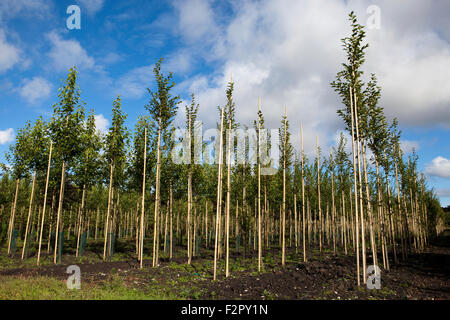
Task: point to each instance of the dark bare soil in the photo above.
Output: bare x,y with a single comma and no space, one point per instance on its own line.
423,276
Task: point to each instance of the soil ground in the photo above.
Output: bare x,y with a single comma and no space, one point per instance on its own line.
424,275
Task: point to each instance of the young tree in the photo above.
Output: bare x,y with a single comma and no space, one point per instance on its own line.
36,153
219,193
348,85
303,194
65,128
19,160
286,151
87,167
259,127
191,117
162,108
115,153
141,163
230,117
45,200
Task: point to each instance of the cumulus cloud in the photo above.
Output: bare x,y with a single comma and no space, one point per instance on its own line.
267,49
101,123
408,146
287,52
91,6
35,89
6,136
111,58
12,8
68,53
179,62
196,19
9,54
133,84
439,167
443,192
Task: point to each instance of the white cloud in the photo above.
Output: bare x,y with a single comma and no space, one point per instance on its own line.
196,19
134,83
439,167
35,89
9,54
6,136
68,53
31,10
289,51
101,123
91,6
180,62
408,146
443,192
111,58
13,8
264,46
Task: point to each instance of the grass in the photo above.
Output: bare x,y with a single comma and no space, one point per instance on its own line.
172,280
268,295
46,288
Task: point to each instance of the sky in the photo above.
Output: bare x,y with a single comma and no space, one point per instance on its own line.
285,51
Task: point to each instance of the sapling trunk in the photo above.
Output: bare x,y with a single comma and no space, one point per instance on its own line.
219,192
157,200
355,183
318,195
141,233
259,188
29,215
106,229
171,214
283,250
303,195
81,222
60,203
361,207
227,218
11,224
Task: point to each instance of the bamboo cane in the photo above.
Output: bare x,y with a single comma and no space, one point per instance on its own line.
29,215
141,246
219,191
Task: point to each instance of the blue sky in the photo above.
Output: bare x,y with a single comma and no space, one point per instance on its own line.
286,52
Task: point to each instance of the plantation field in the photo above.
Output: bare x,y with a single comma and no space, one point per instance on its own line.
249,207
324,276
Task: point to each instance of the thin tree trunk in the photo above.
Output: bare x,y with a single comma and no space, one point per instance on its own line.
141,245
333,208
60,204
96,222
227,221
157,200
259,190
219,192
369,209
29,215
318,195
171,214
283,250
358,142
13,213
355,183
303,196
108,209
81,225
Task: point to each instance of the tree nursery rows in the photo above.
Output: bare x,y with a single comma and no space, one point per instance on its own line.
118,205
